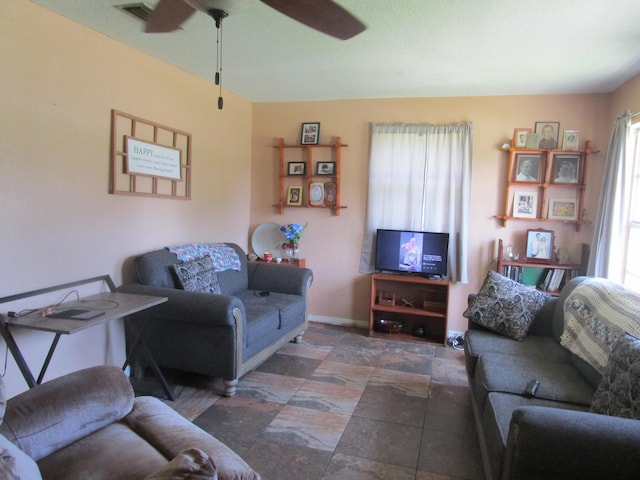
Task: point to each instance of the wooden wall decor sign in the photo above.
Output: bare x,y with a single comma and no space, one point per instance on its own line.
149,159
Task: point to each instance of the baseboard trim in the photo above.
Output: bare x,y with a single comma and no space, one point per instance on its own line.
342,322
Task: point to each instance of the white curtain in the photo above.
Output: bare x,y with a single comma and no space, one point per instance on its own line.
420,179
610,232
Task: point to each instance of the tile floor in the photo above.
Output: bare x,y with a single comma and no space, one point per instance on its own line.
342,405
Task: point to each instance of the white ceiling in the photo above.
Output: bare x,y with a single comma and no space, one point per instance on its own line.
411,48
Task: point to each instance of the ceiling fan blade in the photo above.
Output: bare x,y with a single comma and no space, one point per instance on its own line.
168,16
322,15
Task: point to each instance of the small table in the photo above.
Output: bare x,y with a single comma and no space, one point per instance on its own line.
111,305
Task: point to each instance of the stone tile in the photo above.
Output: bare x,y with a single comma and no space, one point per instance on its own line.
450,393
420,475
448,454
392,407
306,427
406,362
289,365
449,352
396,381
342,374
238,421
383,442
345,467
281,461
422,348
449,371
317,352
323,334
357,355
327,397
451,417
269,386
360,339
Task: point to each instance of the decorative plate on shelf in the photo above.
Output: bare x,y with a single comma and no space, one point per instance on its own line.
267,237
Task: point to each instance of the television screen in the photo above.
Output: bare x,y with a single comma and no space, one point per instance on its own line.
412,252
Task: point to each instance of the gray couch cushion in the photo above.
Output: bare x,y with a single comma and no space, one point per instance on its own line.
156,268
478,342
509,374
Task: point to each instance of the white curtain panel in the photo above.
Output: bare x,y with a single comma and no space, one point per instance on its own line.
420,179
610,231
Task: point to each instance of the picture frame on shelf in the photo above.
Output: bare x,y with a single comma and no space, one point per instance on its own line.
520,137
294,195
539,245
548,132
528,168
326,168
563,209
566,168
525,204
330,192
316,194
570,140
296,168
533,139
310,133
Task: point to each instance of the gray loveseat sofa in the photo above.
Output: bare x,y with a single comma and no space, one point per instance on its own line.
554,434
88,425
260,307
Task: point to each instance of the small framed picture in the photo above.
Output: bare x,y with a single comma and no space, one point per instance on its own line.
310,133
326,168
548,132
525,204
566,168
316,194
563,209
297,168
539,245
528,167
294,195
520,137
330,190
533,139
570,140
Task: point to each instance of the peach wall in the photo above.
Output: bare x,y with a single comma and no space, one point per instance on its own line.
60,81
332,243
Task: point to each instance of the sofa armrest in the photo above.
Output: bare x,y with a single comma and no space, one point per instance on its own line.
555,443
193,307
55,414
279,278
170,433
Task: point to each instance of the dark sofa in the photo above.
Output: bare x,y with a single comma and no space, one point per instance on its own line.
553,434
261,307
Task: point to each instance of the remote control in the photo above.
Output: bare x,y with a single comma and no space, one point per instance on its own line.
532,388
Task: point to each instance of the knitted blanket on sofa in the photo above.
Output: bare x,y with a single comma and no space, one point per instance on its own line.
596,313
224,257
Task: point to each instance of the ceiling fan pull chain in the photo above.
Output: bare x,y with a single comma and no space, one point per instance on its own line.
219,72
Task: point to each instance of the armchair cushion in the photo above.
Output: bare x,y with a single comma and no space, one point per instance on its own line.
190,464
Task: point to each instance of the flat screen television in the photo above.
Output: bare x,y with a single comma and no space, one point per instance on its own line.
410,251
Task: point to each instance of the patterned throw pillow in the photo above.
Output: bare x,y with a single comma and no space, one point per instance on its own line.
619,391
505,306
198,275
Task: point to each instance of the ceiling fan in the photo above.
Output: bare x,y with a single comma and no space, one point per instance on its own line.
325,16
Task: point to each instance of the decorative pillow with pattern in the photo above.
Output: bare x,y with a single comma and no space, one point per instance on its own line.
505,306
619,391
198,275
